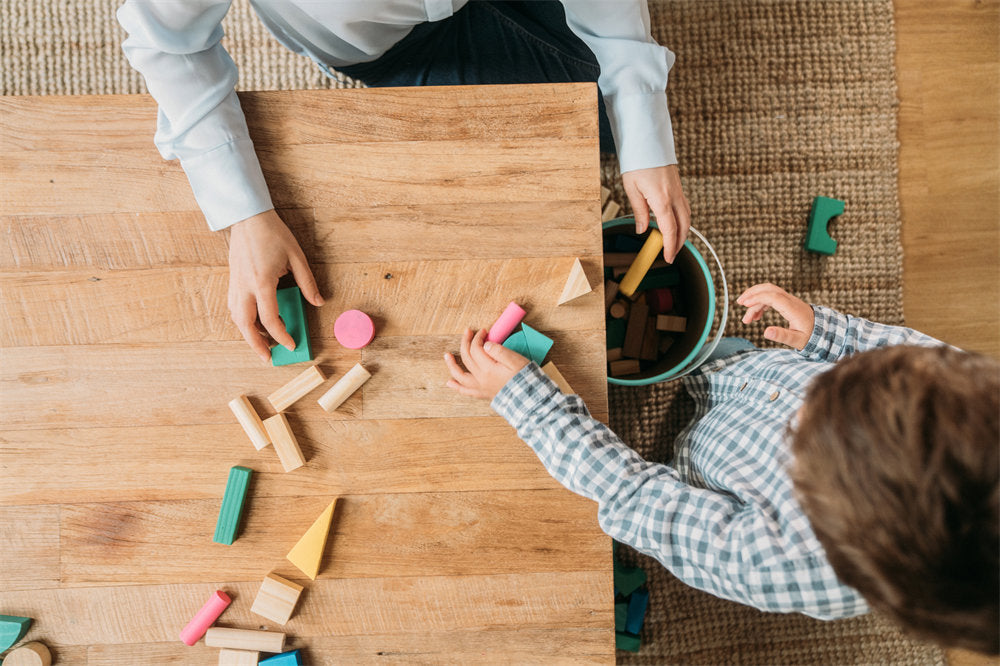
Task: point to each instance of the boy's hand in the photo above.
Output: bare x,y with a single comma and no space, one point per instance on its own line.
659,189
261,250
761,297
490,366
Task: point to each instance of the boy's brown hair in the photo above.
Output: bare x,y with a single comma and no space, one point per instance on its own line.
896,466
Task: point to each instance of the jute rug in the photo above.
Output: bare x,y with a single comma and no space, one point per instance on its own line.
773,102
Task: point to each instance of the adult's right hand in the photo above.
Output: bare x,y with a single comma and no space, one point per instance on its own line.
261,250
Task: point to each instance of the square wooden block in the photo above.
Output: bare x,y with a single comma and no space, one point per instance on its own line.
276,598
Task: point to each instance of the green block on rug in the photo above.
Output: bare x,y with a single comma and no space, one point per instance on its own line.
517,342
538,344
291,307
615,333
232,505
627,642
621,616
660,277
12,629
818,238
628,579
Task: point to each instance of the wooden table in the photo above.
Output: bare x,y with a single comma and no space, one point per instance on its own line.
429,209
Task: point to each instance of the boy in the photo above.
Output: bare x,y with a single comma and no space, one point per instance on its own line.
860,471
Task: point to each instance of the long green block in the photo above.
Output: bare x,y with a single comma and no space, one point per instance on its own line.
627,642
660,277
621,616
628,579
615,333
291,307
818,238
232,505
12,629
539,344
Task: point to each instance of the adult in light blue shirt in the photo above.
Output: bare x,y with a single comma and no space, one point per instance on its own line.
176,46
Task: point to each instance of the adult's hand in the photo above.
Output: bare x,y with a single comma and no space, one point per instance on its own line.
659,190
261,250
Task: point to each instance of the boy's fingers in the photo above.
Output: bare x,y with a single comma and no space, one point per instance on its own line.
758,289
479,354
506,357
456,371
795,339
466,352
472,393
754,313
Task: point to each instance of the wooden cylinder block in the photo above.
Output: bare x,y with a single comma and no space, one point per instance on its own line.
343,389
250,420
29,654
286,396
245,639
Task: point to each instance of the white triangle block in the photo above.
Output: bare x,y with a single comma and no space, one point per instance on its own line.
576,285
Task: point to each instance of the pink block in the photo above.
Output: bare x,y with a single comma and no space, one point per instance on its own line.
204,618
354,329
506,324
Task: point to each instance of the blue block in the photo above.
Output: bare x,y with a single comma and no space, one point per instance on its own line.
636,611
538,344
292,658
518,343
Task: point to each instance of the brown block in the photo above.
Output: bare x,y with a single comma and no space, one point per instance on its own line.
624,367
635,330
650,349
618,310
671,323
614,354
610,291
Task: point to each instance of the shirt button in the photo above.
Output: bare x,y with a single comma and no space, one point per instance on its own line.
773,396
745,384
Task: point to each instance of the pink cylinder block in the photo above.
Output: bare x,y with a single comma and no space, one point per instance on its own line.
506,324
204,618
354,329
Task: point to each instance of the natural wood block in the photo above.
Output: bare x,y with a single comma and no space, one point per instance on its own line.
245,639
276,598
230,657
610,211
285,443
344,387
307,554
577,284
671,323
306,381
250,420
231,510
666,342
614,354
650,250
623,367
618,310
552,371
635,330
29,654
650,349
605,194
610,291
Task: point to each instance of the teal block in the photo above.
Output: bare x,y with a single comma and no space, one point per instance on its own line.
621,616
232,505
627,642
293,658
628,579
519,343
637,605
660,277
615,333
291,307
818,238
12,629
538,344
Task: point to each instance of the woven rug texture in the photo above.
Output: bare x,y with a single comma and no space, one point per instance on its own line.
773,103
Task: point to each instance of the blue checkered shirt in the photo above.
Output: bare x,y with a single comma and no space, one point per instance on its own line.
722,517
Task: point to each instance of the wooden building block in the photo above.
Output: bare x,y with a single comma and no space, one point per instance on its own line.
614,354
354,329
344,388
615,332
666,342
817,237
307,554
29,654
306,381
506,323
293,658
610,291
285,443
635,330
552,371
651,249
517,342
610,211
539,344
658,278
232,505
650,349
291,309
626,243
660,300
230,657
605,195
637,604
577,284
671,323
276,598
250,420
12,629
245,639
618,310
205,618
626,366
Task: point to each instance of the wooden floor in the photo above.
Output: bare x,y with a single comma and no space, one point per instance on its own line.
949,177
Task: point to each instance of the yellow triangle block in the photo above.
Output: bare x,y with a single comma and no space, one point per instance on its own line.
307,554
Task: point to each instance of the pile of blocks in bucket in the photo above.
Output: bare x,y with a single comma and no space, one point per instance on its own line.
631,601
643,301
277,597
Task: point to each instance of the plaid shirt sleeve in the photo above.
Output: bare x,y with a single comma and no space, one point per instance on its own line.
708,539
836,335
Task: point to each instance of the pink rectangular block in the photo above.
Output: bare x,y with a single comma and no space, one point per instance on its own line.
506,324
204,618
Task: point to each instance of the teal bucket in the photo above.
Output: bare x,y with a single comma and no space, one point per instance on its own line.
693,347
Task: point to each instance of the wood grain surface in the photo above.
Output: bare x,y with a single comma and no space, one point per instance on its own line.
429,209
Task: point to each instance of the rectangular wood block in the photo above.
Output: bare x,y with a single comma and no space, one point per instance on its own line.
285,444
276,598
626,366
230,657
245,639
552,371
250,420
650,341
232,505
671,323
635,330
288,394
344,388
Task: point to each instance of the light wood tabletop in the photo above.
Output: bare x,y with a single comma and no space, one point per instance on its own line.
430,209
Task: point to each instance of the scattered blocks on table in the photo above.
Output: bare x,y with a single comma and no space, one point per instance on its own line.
354,329
245,639
230,657
577,284
307,554
518,342
818,237
232,505
625,366
344,388
637,604
505,325
12,629
250,420
288,394
29,654
552,371
291,309
650,250
636,329
671,323
285,443
204,618
276,598
293,658
538,344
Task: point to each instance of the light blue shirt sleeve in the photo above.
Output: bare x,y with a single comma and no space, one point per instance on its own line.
836,335
633,80
176,47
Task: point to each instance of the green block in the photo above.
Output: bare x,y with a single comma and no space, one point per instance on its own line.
818,238
627,642
291,307
660,277
616,333
538,344
232,505
518,343
628,579
621,616
12,629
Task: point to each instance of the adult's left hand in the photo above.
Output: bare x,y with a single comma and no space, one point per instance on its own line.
658,190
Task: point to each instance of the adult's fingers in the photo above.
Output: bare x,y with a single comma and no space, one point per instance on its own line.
682,213
304,278
267,306
640,209
796,339
243,311
668,227
506,357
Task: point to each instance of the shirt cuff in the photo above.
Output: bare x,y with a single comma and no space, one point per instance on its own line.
823,338
640,124
527,394
228,183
